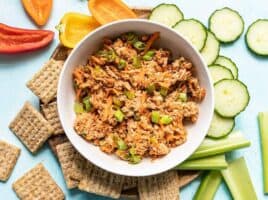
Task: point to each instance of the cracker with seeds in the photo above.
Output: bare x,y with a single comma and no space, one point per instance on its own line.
31,127
159,187
68,156
50,112
56,140
44,83
37,184
101,182
9,155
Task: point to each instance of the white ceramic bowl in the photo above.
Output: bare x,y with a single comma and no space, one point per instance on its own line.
168,39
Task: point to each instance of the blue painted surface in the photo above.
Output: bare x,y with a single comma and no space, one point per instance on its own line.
16,70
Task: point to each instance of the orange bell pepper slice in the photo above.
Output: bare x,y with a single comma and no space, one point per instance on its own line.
38,10
74,27
106,11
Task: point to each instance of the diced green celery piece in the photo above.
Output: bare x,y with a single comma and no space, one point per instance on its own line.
238,180
136,61
122,64
78,108
119,115
87,104
209,186
132,151
111,56
208,163
139,45
182,97
155,117
148,56
130,94
163,91
209,146
135,159
150,89
165,119
130,37
121,144
263,126
150,53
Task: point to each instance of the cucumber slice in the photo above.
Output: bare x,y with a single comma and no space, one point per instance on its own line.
220,126
211,49
219,72
168,14
257,37
231,97
226,24
194,31
228,63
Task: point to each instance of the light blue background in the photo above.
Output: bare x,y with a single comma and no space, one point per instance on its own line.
15,70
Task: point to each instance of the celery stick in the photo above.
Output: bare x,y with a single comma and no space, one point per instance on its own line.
209,186
238,180
217,162
210,146
263,125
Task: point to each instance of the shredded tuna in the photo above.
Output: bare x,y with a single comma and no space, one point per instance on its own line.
120,88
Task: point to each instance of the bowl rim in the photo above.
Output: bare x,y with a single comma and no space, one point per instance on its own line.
210,88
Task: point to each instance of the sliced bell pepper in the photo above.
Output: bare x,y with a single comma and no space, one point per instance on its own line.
17,40
75,26
106,11
38,10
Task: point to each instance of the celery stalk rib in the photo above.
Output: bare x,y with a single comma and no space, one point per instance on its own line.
217,162
209,186
210,147
263,126
238,180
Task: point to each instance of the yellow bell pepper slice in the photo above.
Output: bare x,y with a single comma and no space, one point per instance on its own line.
74,27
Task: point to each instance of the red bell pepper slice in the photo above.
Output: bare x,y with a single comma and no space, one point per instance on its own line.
17,40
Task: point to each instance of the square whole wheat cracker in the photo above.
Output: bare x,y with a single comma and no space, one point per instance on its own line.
44,83
163,186
31,127
50,112
68,156
100,182
9,155
37,184
56,140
